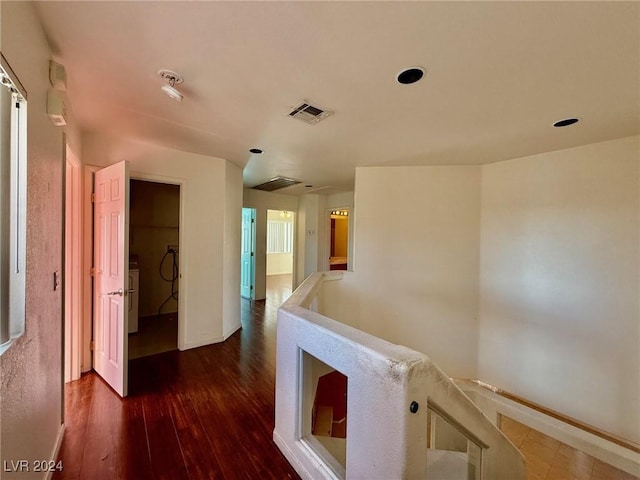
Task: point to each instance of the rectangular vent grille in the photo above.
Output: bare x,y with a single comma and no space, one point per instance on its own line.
309,114
276,184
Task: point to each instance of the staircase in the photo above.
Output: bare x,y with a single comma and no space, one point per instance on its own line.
406,419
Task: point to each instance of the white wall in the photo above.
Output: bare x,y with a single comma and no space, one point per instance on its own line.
31,390
417,258
559,298
231,252
210,198
263,201
279,263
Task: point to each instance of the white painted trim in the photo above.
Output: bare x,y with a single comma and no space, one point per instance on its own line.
73,284
87,263
56,449
231,331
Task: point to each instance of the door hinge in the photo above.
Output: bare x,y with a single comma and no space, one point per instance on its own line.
251,287
92,345
92,271
93,197
253,220
252,254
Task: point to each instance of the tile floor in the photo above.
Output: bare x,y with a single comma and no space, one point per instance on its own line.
549,459
156,334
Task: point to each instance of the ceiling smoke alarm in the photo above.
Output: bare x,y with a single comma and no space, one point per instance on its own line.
172,78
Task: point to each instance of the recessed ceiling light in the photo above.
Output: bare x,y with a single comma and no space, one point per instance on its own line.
410,75
566,122
255,150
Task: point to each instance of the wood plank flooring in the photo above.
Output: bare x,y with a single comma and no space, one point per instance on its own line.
206,413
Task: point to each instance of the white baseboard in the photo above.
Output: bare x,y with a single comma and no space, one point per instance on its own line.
291,458
211,340
56,449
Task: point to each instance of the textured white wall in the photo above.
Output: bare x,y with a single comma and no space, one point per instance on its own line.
416,260
211,193
560,320
31,369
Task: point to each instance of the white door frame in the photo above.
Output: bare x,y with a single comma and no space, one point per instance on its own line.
73,325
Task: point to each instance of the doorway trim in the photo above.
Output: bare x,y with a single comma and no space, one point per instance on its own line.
73,300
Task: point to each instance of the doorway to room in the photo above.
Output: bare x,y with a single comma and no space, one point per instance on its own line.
280,243
339,239
154,274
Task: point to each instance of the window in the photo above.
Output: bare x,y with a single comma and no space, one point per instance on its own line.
13,204
279,236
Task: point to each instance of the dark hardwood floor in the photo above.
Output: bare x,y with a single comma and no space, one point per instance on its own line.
205,413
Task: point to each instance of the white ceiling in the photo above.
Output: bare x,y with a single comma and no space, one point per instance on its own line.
498,75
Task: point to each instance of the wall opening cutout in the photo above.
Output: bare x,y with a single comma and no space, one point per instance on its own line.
324,412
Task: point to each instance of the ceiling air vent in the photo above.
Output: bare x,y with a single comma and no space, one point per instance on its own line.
276,184
309,113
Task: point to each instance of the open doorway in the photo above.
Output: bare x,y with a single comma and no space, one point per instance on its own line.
280,241
154,249
339,239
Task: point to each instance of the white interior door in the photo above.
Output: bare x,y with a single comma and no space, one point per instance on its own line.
111,262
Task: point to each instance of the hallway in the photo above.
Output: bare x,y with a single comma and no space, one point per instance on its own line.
208,413
205,413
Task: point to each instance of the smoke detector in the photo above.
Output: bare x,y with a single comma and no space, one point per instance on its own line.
172,79
308,113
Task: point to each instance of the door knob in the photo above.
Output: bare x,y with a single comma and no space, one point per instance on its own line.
118,292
